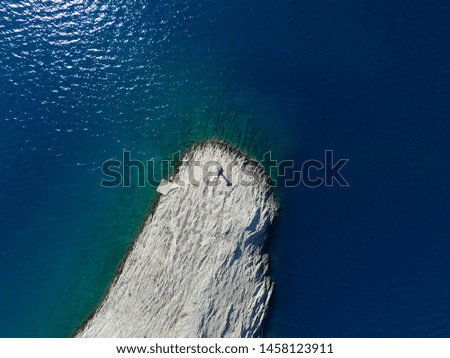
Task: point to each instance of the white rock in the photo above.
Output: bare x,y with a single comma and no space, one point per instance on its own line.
197,269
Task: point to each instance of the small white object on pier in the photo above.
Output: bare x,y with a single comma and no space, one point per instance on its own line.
166,186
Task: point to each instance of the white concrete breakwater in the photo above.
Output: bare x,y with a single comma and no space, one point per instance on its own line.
197,269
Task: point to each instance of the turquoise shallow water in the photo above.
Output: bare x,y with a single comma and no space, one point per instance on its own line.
82,81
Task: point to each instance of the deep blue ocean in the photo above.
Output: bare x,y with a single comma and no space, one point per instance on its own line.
82,81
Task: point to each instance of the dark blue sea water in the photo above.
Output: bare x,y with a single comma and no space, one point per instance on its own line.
81,81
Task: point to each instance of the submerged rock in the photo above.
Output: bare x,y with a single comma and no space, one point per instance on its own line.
198,268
